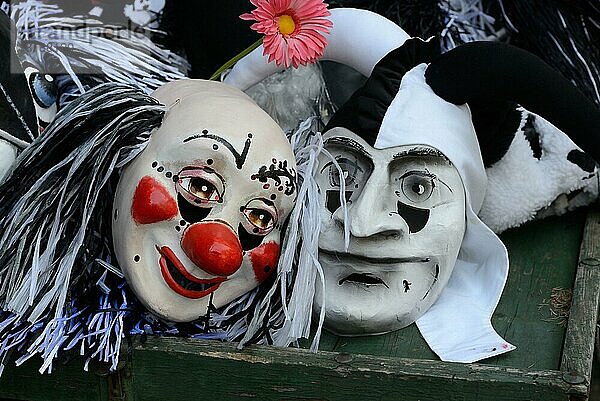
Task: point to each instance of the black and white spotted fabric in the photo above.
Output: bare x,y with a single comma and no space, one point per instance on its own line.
542,173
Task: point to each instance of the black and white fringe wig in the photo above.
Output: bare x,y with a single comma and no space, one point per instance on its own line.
52,226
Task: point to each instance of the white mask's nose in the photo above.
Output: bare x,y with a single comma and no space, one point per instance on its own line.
371,214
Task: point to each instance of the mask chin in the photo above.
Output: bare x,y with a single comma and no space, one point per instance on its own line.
363,299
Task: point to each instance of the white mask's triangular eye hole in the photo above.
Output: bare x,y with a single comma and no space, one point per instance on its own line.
333,202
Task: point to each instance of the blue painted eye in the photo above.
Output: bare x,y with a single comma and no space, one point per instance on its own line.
43,89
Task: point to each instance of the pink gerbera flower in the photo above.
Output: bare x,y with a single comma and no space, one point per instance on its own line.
293,29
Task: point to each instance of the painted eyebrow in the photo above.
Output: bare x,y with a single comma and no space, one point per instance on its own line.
420,151
349,143
353,163
192,168
240,158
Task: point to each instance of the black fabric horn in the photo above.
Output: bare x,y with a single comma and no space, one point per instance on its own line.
480,72
17,112
363,113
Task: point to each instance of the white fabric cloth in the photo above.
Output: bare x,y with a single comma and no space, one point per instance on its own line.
458,326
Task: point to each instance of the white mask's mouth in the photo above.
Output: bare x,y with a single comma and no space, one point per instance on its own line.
366,279
362,271
183,282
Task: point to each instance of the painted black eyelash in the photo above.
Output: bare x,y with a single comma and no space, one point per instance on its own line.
425,173
338,159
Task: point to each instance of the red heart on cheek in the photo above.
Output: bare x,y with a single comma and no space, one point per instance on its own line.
264,260
152,202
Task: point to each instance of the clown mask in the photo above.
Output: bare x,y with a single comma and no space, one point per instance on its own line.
198,214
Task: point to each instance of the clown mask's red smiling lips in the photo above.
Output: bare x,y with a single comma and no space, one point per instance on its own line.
181,281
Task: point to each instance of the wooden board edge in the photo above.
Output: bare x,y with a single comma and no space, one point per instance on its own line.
578,349
401,368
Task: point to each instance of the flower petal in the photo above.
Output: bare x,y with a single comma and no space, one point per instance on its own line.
305,44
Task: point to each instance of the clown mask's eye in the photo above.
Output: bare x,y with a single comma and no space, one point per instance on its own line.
260,215
259,218
203,189
201,186
417,186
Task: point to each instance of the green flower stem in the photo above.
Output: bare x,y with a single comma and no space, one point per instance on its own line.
230,63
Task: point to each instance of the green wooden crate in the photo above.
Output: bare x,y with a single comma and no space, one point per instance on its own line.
553,360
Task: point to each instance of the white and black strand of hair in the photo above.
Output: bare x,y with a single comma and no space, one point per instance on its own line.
55,213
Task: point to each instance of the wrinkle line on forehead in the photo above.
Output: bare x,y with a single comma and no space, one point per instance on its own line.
349,143
240,158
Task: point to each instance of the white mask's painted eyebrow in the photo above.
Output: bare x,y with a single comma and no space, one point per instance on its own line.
420,151
348,143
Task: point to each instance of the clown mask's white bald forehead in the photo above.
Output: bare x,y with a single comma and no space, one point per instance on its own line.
219,109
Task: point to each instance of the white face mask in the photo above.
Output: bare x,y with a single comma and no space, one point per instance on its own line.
198,214
406,213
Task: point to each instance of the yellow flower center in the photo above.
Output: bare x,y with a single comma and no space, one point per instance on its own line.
286,25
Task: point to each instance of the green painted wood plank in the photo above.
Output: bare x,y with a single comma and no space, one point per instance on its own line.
543,256
580,337
176,369
66,383
405,343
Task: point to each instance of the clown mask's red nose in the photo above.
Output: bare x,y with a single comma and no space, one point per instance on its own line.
214,247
